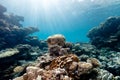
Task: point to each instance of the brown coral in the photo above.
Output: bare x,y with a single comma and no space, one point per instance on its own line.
31,73
63,61
44,61
59,64
94,62
57,39
56,50
34,73
18,69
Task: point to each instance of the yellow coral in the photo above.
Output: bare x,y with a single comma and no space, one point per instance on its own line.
8,53
18,69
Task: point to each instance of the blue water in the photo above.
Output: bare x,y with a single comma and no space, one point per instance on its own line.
72,18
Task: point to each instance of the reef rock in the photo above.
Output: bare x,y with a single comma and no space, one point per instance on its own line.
13,61
54,66
67,66
11,31
106,34
109,59
8,53
57,39
2,9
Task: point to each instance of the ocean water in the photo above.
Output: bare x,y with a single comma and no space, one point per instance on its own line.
99,59
72,18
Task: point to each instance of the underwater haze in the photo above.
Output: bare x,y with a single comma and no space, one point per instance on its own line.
59,39
72,18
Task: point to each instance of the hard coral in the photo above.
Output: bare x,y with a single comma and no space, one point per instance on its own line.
59,64
44,61
56,50
57,39
8,53
94,62
11,31
72,65
63,61
2,9
18,69
57,45
34,73
106,34
65,67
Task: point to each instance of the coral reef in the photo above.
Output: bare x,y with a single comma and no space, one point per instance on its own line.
109,59
17,46
105,75
60,67
57,39
55,59
12,33
106,34
8,53
54,66
106,38
15,59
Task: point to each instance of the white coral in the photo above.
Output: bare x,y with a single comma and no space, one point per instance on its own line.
8,53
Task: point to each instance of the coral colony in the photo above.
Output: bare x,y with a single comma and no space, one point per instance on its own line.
25,57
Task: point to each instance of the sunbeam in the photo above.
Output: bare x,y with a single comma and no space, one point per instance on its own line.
69,17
